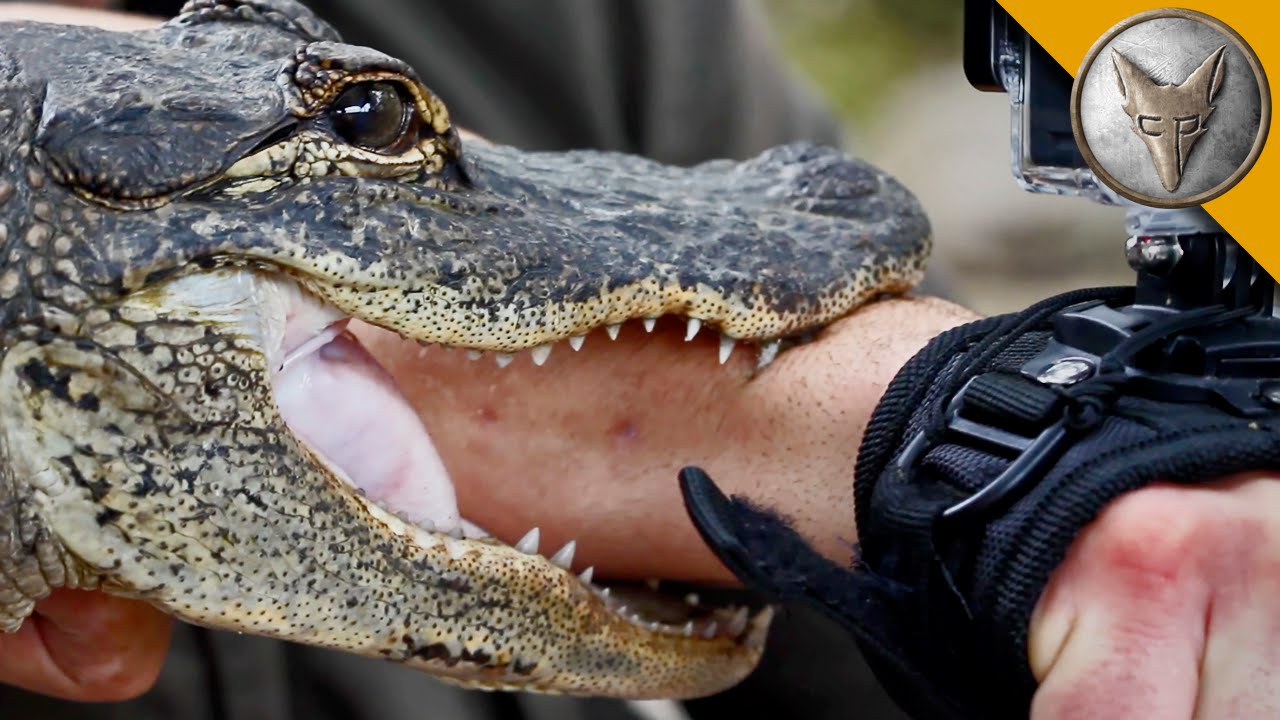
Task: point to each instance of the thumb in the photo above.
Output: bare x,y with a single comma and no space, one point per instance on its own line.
86,646
1119,631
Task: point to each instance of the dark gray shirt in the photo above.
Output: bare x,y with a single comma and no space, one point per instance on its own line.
677,80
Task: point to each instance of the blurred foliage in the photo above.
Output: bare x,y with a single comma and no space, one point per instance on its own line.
855,50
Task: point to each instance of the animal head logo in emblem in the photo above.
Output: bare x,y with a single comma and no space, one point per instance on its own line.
1194,92
1170,118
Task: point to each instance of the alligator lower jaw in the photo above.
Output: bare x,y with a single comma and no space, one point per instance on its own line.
379,447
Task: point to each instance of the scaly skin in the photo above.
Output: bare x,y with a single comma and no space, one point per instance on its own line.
161,190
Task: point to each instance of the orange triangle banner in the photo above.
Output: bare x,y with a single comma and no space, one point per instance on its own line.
1251,210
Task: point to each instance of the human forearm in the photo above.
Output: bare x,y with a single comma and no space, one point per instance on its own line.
588,446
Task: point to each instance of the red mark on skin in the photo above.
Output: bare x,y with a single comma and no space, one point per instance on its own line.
488,415
625,430
1165,540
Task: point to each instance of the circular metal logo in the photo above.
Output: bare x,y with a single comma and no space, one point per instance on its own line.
1170,108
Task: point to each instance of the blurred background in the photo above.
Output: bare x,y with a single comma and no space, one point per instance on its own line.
891,71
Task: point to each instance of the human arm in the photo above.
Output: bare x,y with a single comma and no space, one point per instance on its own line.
1161,609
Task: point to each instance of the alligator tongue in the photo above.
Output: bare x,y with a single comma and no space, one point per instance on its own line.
347,409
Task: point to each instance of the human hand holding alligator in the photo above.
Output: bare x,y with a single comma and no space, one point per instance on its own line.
582,444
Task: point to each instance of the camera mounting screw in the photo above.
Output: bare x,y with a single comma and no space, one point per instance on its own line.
1154,254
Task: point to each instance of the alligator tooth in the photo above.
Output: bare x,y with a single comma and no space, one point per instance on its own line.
649,324
564,556
694,326
529,543
541,353
604,592
503,359
726,348
709,631
768,352
456,532
760,631
613,330
474,354
739,622
688,629
586,575
576,341
652,584
692,599
455,549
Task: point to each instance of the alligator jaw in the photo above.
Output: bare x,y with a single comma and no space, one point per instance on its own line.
467,608
142,444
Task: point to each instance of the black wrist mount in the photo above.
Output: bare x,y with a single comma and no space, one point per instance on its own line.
998,442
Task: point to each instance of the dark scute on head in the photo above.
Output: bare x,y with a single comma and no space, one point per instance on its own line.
822,180
292,17
9,67
182,119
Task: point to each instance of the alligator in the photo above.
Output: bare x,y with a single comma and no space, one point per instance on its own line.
190,217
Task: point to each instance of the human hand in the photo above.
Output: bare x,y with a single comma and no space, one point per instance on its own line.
1167,606
86,646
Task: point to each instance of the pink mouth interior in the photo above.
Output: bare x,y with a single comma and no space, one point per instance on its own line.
336,397
349,412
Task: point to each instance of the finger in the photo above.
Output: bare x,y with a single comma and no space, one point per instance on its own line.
86,646
1122,664
1240,675
1239,680
1120,631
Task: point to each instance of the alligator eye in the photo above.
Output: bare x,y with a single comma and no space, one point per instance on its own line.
371,115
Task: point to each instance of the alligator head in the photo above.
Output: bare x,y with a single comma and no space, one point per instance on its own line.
190,215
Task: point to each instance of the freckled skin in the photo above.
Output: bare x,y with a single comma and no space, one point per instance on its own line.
140,448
